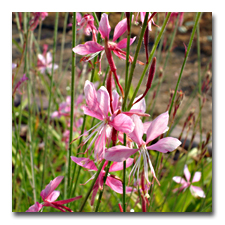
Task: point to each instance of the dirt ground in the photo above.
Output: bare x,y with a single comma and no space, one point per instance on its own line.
189,78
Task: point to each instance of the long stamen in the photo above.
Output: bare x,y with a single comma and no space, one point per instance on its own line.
152,169
86,132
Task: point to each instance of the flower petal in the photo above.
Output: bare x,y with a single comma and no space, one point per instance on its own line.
137,133
42,59
116,166
116,185
179,180
103,101
197,177
197,191
53,196
187,173
51,187
122,123
84,162
146,126
89,112
91,96
89,47
141,105
123,43
68,200
120,28
104,27
119,153
48,58
35,208
158,126
165,145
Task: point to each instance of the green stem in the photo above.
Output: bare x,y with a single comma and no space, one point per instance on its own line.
50,98
72,95
135,59
165,64
149,59
104,180
185,59
92,185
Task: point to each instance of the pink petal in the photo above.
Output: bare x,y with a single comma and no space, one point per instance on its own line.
94,192
164,145
42,59
78,17
116,166
91,113
88,48
136,112
91,96
120,28
146,126
119,55
53,196
119,153
84,162
122,123
68,200
100,145
116,100
51,187
197,191
103,101
35,208
179,180
55,114
197,177
187,173
141,105
116,185
48,57
158,126
137,133
123,43
104,27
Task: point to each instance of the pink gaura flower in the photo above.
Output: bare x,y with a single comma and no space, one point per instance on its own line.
49,195
36,17
64,109
195,191
90,49
87,24
153,130
44,63
98,106
112,181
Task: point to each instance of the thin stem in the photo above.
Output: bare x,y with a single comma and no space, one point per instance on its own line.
149,59
128,51
72,95
165,64
135,59
92,185
104,180
50,98
185,59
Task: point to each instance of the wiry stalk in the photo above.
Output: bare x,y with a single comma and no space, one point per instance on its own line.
149,59
72,95
46,150
92,185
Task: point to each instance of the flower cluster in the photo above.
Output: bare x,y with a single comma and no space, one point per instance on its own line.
104,142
